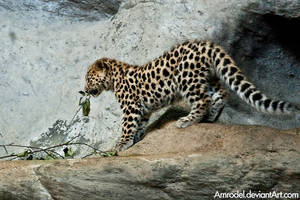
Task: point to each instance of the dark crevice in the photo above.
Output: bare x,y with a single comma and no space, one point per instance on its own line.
256,31
265,47
285,31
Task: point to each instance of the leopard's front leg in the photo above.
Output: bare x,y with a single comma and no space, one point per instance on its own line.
132,119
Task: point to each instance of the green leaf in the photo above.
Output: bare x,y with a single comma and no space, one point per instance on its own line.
23,154
110,154
68,152
82,93
86,107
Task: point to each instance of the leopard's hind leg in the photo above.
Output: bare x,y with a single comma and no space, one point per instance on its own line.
141,131
218,94
199,100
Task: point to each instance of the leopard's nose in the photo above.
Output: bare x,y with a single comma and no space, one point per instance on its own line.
93,91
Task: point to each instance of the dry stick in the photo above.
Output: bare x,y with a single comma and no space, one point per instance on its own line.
87,155
8,156
80,107
80,143
50,148
74,115
73,138
55,146
31,147
69,125
5,150
13,158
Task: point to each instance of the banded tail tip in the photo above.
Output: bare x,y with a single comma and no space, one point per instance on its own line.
291,109
276,107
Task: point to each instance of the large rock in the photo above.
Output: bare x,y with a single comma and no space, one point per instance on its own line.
170,163
46,46
88,10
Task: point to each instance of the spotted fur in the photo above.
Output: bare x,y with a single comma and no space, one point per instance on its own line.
192,70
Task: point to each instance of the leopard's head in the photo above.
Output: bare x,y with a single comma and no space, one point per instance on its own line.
97,77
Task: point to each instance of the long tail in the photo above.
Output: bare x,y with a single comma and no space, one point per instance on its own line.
230,74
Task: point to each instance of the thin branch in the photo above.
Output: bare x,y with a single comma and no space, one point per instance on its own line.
73,138
54,153
38,149
87,155
80,143
50,150
31,147
13,158
75,115
8,156
80,107
5,150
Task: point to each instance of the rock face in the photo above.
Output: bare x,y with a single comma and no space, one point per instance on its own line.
169,163
88,10
46,46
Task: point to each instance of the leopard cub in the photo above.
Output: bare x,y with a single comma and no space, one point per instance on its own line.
192,70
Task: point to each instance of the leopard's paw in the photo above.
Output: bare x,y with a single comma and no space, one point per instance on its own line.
183,122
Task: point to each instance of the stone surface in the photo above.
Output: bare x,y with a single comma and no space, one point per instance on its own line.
169,163
46,46
87,10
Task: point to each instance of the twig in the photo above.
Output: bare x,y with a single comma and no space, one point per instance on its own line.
31,147
87,155
80,107
13,158
74,138
8,156
49,148
80,143
54,153
74,116
5,149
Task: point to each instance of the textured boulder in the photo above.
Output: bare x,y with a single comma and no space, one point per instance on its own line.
169,163
88,10
47,45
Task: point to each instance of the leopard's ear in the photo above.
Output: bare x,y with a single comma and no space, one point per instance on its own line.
101,64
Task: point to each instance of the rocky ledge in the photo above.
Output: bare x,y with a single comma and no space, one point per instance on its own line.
170,163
